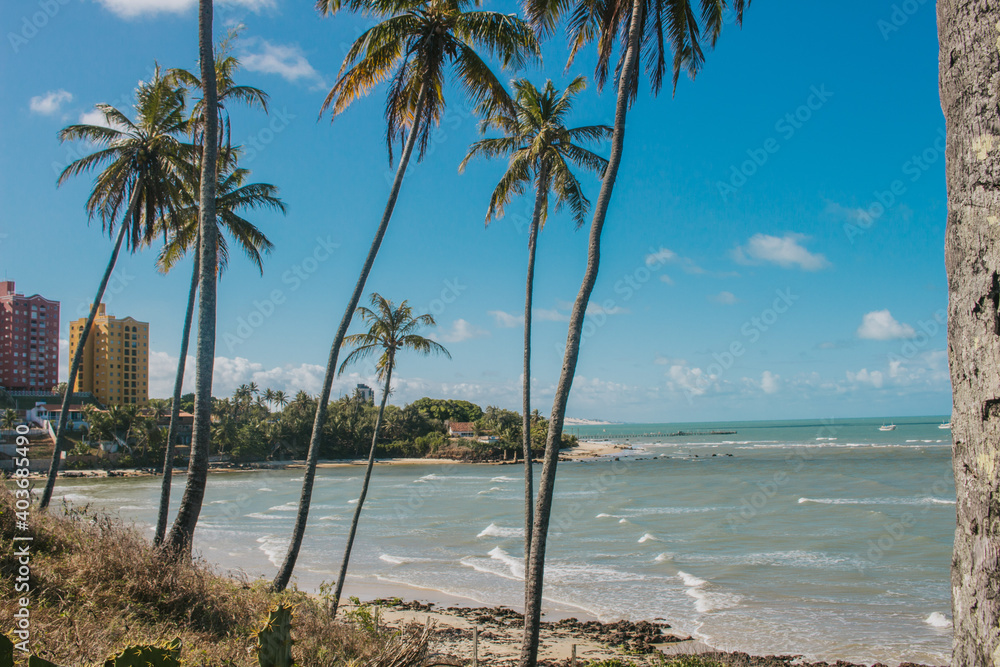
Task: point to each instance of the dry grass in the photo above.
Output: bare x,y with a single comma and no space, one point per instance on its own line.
97,586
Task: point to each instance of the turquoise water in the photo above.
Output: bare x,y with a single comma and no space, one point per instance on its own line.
829,539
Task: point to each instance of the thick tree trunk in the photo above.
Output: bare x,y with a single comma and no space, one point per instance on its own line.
529,492
364,494
284,574
535,568
970,78
175,406
74,368
182,532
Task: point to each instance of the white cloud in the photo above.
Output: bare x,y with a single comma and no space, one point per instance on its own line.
666,279
130,9
505,319
460,330
549,315
785,251
94,117
690,381
881,325
724,298
661,256
770,382
864,376
50,103
285,60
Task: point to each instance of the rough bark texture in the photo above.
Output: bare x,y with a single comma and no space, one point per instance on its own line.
529,492
969,33
74,368
364,494
288,565
175,407
535,567
182,532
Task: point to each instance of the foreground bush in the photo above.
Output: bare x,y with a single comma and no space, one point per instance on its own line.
97,586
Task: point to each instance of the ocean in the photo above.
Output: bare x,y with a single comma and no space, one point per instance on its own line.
827,538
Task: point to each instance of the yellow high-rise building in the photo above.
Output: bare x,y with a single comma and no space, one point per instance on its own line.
115,359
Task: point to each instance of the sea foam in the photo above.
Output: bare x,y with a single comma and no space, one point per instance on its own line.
494,530
938,620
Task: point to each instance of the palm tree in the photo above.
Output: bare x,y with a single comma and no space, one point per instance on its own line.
142,159
414,46
642,29
234,196
280,399
182,532
269,397
391,329
9,419
967,46
540,150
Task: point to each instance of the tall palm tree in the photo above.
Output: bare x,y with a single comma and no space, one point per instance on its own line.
141,161
268,397
651,30
391,330
540,150
280,399
182,532
967,33
415,46
234,197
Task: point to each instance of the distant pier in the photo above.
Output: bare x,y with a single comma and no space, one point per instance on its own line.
651,434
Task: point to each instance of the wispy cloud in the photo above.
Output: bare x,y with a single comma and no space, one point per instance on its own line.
724,298
50,103
286,60
460,330
881,325
130,9
505,319
786,251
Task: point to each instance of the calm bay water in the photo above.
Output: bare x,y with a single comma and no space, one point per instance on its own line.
830,539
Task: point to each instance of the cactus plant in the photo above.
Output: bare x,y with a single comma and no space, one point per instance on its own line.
274,641
149,655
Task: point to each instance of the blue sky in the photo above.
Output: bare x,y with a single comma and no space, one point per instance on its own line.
774,247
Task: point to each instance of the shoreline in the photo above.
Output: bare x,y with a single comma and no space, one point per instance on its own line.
585,451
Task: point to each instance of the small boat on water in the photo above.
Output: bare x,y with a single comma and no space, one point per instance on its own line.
946,426
887,427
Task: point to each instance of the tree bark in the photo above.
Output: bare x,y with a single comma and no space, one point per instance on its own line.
364,494
969,33
284,574
74,368
175,406
529,493
535,568
182,531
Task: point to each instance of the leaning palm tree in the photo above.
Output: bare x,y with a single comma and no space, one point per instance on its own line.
234,197
182,532
415,46
391,330
141,160
540,150
640,29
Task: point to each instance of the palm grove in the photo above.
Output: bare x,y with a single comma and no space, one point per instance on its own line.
169,171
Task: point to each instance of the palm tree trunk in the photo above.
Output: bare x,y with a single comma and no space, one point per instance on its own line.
535,568
285,571
967,33
364,494
182,532
175,406
529,494
74,368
